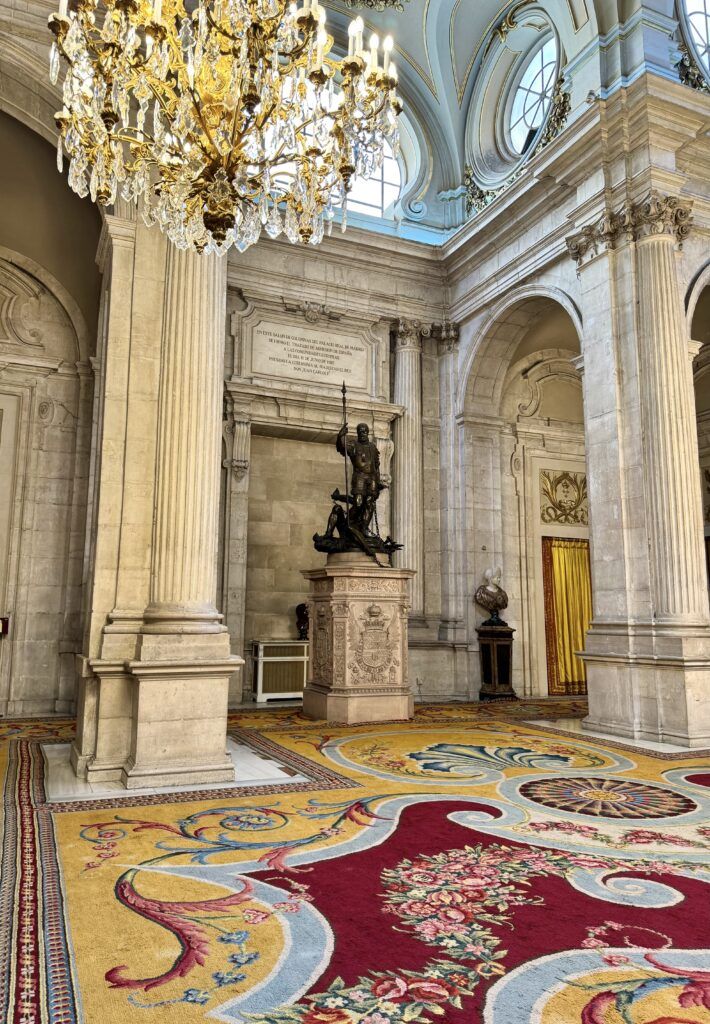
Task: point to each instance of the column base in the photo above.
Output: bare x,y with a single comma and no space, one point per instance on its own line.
353,708
662,697
157,723
105,712
147,777
179,725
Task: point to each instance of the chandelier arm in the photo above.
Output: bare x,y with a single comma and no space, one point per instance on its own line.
194,97
166,110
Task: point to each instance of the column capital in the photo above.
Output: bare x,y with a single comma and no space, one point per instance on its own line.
447,336
408,334
592,239
656,215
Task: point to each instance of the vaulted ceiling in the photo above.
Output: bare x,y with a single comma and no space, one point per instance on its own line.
439,45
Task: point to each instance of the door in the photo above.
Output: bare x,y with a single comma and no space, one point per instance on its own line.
568,612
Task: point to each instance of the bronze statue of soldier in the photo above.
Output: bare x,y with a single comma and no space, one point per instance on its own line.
353,522
366,483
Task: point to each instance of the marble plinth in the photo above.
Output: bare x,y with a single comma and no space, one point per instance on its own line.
358,668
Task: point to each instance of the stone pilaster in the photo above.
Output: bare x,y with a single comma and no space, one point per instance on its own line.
117,564
236,432
452,626
385,446
648,649
408,490
183,666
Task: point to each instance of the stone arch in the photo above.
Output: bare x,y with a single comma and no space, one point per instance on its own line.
25,95
33,270
693,295
497,339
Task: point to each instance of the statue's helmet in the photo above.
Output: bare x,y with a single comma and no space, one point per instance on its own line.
363,431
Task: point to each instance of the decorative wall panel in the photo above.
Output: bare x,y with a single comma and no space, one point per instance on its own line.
563,498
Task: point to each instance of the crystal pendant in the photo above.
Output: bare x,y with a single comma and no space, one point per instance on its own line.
53,63
60,160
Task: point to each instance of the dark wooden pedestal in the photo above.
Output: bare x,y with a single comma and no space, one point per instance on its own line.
496,653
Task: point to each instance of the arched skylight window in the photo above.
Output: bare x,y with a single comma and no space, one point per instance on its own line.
378,194
533,94
697,13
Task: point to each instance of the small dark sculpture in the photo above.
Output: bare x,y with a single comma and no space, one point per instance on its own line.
491,596
350,524
302,621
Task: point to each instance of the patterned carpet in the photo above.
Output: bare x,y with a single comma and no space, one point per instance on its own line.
466,867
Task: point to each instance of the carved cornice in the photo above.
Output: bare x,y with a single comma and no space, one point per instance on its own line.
313,312
655,215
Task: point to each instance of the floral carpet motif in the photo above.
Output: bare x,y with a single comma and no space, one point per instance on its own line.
468,866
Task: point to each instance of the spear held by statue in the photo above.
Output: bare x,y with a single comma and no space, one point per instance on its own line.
345,450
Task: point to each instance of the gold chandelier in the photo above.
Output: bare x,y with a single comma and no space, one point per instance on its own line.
220,118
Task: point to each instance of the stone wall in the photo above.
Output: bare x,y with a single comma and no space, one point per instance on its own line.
45,413
290,483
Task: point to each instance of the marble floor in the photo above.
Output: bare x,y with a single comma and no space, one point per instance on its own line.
251,769
575,727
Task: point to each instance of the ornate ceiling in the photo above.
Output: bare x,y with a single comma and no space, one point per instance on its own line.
439,48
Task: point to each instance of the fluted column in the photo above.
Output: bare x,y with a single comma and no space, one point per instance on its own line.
408,482
672,483
181,675
647,652
236,432
182,593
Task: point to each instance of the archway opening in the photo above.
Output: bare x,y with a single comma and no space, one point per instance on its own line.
529,513
700,332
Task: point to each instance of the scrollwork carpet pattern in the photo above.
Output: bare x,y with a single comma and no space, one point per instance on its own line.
467,866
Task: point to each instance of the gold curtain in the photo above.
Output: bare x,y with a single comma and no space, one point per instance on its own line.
568,611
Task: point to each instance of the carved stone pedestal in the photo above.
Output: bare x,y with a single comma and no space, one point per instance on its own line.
358,666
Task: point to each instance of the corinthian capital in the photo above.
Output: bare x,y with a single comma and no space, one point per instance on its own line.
594,238
654,215
657,214
447,336
408,334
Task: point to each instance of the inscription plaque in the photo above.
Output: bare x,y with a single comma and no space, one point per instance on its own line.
298,353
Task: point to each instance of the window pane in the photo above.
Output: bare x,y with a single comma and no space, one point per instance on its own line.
378,193
532,96
698,14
